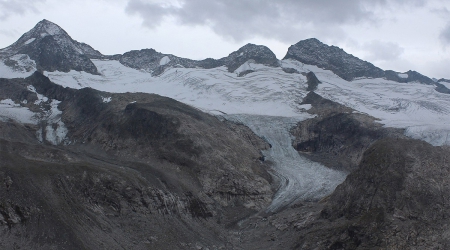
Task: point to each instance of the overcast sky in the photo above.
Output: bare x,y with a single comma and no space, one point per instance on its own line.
392,34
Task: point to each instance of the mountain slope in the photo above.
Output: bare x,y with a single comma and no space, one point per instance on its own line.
170,167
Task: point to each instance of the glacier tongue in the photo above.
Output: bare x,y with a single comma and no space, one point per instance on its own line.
300,178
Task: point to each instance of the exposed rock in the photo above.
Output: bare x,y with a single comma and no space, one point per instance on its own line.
136,166
396,199
337,136
410,76
348,67
259,53
312,81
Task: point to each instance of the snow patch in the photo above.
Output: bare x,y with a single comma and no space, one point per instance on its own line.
41,98
19,66
10,110
250,65
403,75
446,84
53,29
165,60
106,99
30,40
55,131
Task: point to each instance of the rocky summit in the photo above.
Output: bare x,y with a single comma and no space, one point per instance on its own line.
146,150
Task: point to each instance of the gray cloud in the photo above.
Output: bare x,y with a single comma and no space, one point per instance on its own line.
12,7
285,20
445,35
383,51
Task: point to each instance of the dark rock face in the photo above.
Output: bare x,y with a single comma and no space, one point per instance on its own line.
53,49
348,67
397,198
312,81
413,76
337,137
259,53
156,62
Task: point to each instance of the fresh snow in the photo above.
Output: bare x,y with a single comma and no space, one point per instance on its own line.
165,60
403,75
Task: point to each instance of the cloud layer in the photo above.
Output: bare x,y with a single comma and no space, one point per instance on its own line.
281,19
12,7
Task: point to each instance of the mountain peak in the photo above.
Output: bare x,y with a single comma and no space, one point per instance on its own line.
314,52
51,48
49,28
259,53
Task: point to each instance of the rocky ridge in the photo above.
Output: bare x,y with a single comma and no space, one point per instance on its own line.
156,62
348,67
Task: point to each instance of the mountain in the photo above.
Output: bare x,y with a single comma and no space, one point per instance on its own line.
52,49
155,62
347,66
146,150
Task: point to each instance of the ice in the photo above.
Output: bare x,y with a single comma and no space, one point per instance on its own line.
165,60
300,178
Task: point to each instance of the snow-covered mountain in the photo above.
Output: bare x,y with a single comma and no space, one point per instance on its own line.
319,100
